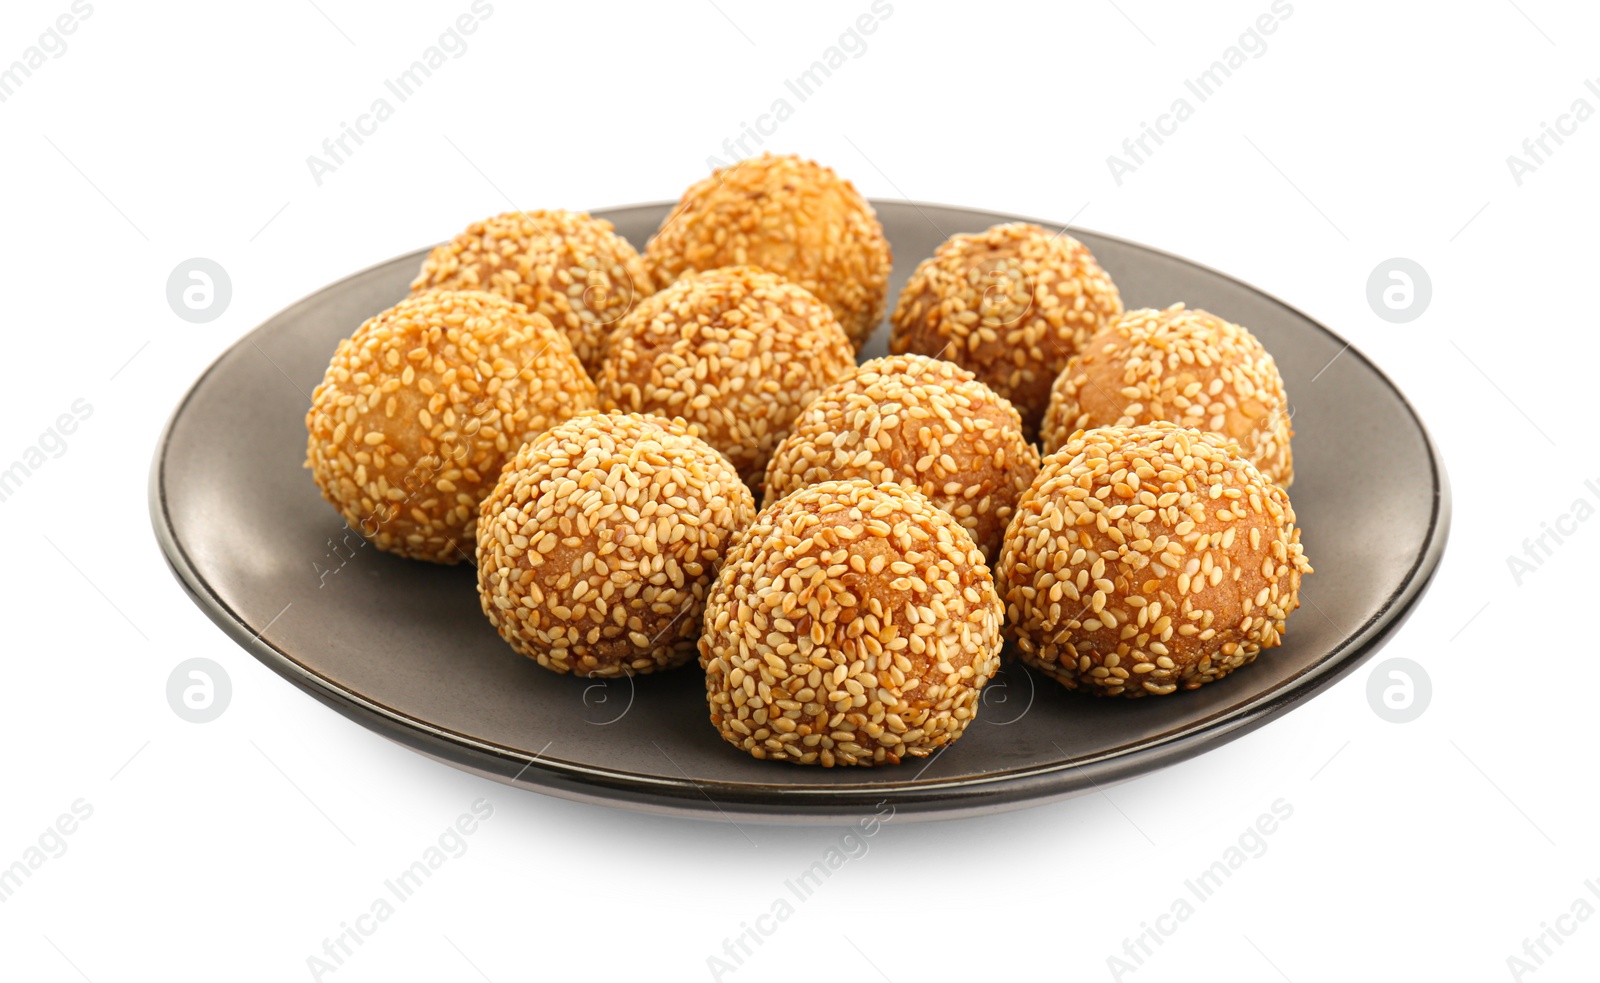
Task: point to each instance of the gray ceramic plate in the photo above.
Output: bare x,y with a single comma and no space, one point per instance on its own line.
402,647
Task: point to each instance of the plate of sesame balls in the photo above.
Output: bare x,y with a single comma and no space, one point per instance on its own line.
779,503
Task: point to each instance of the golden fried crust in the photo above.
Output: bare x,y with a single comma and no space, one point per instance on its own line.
1148,559
736,352
852,624
1186,366
423,404
924,423
1012,303
570,267
792,217
597,546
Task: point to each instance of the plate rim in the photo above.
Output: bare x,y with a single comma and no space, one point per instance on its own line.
792,802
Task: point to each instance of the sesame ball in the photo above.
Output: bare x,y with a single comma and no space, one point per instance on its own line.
735,352
421,407
923,423
1148,559
853,624
1012,303
1182,365
568,266
788,215
597,547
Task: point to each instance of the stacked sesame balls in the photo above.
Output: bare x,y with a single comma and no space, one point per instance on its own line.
788,215
594,429
920,422
735,351
1181,365
1012,303
571,268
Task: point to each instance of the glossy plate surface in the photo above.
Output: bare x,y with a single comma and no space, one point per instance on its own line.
402,647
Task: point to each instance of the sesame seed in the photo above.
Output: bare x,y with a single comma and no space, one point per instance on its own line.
569,267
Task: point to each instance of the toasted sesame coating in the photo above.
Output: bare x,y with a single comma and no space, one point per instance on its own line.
1012,303
1182,365
736,352
1148,559
924,423
423,404
568,266
853,624
790,216
597,547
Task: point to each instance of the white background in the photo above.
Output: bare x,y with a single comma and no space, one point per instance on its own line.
1367,130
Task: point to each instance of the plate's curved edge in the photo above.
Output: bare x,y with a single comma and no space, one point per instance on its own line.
930,799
